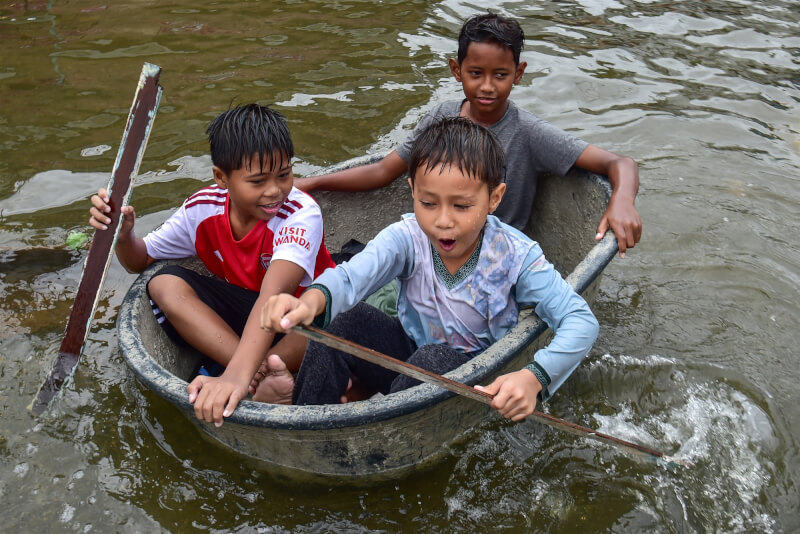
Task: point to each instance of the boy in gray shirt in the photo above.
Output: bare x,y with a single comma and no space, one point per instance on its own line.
488,66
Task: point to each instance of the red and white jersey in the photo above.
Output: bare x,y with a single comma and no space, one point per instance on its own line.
201,227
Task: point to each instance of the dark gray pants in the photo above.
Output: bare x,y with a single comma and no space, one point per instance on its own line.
324,374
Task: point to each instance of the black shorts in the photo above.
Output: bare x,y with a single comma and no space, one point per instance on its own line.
232,303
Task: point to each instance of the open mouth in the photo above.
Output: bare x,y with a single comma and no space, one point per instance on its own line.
271,209
447,244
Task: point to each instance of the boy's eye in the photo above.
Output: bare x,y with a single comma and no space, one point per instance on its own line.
463,206
425,203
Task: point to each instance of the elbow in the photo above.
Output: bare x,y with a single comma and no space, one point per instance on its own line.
623,165
593,329
589,330
628,162
135,269
631,168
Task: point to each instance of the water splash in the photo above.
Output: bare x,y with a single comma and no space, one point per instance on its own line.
722,431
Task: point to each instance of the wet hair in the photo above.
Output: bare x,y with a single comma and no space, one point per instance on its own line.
492,28
459,142
242,132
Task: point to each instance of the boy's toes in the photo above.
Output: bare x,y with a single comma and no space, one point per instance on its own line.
344,399
262,372
277,386
275,365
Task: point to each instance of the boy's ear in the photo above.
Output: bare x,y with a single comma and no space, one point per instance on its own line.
411,185
455,68
520,71
496,197
220,177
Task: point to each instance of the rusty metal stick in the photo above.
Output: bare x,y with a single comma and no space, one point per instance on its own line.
423,375
126,166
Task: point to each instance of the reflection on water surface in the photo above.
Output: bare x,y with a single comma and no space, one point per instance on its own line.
698,330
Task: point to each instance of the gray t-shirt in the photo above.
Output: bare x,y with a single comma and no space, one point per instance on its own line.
532,146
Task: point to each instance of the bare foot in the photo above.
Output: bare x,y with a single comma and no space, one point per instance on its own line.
343,399
355,392
263,370
277,386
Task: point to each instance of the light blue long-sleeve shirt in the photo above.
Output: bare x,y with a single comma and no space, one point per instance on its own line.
477,305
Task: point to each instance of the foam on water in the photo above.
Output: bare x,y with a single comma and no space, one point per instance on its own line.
722,433
725,436
95,150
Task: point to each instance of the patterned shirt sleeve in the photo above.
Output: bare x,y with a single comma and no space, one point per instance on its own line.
564,311
388,256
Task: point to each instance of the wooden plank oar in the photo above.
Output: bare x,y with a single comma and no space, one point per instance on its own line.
129,156
423,375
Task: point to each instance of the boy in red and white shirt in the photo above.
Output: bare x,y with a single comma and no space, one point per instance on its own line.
256,233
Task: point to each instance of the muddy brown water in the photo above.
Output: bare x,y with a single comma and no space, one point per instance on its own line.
698,348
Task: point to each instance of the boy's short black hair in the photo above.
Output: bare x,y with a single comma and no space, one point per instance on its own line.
460,142
242,132
492,28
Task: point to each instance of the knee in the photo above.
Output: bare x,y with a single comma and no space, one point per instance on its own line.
439,359
348,323
345,322
156,287
402,382
163,287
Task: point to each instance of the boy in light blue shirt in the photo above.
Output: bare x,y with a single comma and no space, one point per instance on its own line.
463,277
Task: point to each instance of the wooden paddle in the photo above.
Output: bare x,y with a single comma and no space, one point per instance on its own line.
131,149
423,375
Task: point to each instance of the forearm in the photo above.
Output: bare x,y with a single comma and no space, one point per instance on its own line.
572,341
387,256
361,178
622,171
621,215
567,314
252,348
623,174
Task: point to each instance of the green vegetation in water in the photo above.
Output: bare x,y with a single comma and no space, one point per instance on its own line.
76,240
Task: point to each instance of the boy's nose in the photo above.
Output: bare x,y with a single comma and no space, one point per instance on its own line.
444,219
271,190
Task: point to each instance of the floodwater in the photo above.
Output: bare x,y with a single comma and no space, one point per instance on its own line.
698,349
